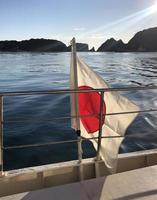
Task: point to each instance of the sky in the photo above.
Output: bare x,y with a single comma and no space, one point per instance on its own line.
90,21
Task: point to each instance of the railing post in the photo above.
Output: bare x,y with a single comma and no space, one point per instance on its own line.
100,134
1,135
79,139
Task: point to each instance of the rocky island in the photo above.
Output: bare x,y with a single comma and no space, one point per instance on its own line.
143,41
33,45
112,45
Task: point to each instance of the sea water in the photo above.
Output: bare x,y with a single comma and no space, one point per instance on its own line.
29,119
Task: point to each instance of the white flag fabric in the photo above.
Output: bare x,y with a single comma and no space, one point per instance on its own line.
89,104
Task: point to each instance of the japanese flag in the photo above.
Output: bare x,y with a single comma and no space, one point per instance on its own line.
89,104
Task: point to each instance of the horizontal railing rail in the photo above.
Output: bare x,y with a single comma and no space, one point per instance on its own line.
59,142
64,91
80,116
70,141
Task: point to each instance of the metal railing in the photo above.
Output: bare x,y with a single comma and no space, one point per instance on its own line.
65,91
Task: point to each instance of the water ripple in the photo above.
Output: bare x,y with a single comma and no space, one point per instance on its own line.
42,71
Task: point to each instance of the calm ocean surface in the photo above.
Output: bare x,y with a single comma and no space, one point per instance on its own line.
43,71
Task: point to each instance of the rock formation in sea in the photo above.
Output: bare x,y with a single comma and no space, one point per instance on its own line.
112,45
80,47
33,45
92,49
145,40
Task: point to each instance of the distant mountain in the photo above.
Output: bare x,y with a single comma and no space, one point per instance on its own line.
112,45
33,45
80,47
145,40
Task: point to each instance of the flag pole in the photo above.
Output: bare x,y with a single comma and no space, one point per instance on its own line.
97,170
78,132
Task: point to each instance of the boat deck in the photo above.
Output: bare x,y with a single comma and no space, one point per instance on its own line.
136,184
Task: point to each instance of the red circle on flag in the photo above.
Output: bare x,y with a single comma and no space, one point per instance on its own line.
89,104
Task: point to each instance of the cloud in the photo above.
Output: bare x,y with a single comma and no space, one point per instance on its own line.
96,36
79,29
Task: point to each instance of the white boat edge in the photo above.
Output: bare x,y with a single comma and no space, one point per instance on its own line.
34,178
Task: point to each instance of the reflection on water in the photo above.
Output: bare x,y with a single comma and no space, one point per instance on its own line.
42,71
